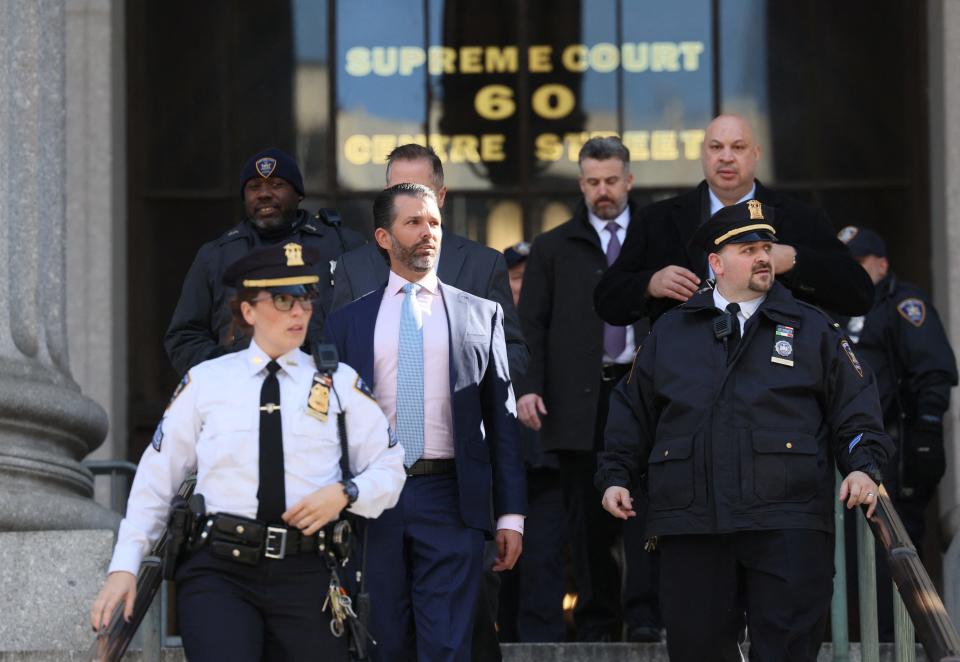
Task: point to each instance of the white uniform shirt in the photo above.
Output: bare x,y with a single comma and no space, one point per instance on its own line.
212,426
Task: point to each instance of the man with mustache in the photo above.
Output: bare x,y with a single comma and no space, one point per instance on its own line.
741,403
575,360
436,359
659,269
271,188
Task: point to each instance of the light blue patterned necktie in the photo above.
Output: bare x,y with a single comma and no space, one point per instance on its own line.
410,378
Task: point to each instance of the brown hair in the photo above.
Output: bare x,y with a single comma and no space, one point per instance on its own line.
239,328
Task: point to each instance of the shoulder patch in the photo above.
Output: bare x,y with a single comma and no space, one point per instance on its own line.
845,344
177,391
361,387
913,310
157,437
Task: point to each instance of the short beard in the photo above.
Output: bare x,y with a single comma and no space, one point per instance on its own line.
606,216
270,226
408,257
757,286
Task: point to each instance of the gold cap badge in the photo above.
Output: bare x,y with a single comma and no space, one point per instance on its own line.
294,254
756,210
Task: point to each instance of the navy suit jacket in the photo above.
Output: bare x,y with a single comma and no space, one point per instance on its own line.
465,264
486,442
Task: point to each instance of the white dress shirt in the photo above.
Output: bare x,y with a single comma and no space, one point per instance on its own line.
747,308
622,221
437,407
716,205
212,426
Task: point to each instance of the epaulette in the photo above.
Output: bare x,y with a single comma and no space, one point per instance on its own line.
234,233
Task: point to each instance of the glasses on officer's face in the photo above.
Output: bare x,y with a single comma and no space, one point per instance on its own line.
284,302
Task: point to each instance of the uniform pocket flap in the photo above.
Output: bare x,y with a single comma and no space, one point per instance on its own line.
676,448
776,441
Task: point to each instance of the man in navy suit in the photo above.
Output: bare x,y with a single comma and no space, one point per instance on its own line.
436,360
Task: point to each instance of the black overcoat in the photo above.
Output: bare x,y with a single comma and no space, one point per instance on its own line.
825,274
563,332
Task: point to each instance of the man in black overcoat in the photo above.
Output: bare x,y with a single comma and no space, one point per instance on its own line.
575,361
658,268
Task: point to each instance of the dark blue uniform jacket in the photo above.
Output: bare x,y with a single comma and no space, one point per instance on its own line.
745,445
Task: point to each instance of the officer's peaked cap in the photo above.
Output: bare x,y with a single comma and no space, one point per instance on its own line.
737,224
286,265
862,241
272,162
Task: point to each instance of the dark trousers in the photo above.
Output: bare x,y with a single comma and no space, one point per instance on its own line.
593,535
778,583
241,613
531,596
423,573
486,640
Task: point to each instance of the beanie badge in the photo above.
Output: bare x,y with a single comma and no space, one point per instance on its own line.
266,166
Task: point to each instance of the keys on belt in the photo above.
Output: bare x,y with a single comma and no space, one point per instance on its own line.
610,372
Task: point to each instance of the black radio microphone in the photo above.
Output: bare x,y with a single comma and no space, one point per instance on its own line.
723,325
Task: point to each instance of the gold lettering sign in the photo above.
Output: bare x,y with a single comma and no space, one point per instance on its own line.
756,210
294,254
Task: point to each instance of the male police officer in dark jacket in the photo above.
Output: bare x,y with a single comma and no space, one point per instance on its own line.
271,188
740,402
658,269
904,342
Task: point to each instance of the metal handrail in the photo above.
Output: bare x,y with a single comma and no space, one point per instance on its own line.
117,470
153,628
917,605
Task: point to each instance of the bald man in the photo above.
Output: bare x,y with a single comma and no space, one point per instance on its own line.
658,269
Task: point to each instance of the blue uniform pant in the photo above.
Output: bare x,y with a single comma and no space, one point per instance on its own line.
268,612
423,574
778,583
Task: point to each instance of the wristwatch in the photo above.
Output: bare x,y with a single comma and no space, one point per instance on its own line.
350,491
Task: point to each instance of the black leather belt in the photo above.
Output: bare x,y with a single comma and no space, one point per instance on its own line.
246,540
429,467
613,371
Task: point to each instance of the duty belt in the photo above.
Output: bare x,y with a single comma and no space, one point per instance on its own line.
246,540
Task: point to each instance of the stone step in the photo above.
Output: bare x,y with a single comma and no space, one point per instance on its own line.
561,652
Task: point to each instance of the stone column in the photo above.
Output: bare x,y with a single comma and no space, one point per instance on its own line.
46,424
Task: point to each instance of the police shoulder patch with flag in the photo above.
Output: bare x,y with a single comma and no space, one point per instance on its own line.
157,437
361,387
177,391
913,310
845,344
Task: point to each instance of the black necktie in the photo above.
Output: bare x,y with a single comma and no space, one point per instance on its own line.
734,340
271,494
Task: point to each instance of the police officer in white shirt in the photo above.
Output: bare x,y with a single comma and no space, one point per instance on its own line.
259,427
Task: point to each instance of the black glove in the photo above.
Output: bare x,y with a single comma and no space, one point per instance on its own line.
924,461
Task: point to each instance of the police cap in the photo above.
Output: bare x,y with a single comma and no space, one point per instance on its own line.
737,224
862,241
516,254
276,268
272,162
